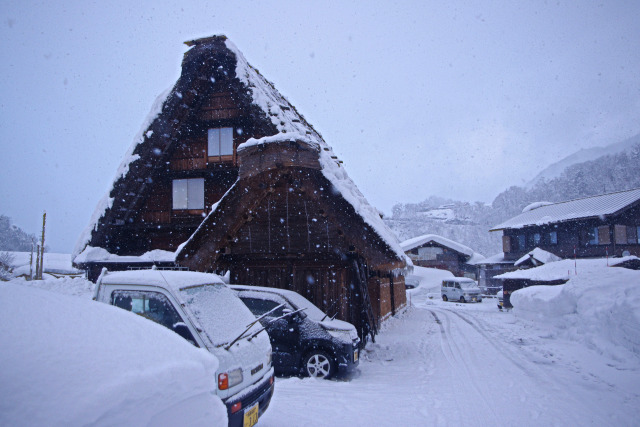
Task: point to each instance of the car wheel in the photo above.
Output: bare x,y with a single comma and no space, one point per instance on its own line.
462,300
319,364
444,298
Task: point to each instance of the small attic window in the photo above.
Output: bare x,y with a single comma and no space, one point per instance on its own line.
188,193
220,144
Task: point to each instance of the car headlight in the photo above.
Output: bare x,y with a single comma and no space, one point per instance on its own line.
226,380
343,336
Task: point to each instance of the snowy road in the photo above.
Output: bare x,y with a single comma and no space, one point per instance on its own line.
453,364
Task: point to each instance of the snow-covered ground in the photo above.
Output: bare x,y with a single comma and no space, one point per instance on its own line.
449,364
68,361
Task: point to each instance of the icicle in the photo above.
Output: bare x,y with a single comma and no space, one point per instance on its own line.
308,229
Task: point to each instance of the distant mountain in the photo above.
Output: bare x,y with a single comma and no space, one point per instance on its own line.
582,174
581,156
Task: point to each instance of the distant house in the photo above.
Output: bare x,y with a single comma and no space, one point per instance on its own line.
489,268
433,251
228,176
598,226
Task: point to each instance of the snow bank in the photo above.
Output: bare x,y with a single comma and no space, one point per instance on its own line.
69,361
599,306
53,263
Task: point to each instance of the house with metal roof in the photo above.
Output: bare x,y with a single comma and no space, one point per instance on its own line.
597,226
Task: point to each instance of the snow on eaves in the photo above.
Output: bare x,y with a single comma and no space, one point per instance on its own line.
290,124
106,202
414,242
97,254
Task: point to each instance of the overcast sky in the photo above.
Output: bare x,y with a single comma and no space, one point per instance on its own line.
420,98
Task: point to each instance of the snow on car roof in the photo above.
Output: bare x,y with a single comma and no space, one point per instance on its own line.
458,279
175,280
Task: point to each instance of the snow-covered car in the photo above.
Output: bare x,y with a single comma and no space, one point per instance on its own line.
304,339
200,308
461,289
70,361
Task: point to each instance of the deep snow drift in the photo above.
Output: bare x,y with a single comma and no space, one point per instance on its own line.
70,361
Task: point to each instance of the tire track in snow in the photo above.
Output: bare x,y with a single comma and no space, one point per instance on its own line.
457,360
528,366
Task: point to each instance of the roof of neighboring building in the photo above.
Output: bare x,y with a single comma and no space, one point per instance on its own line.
415,242
564,269
493,259
589,207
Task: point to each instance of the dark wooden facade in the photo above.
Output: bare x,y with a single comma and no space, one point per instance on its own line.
616,235
285,225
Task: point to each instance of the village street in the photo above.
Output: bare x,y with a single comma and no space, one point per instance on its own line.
453,364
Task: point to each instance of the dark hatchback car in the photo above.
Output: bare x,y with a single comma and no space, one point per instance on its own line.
304,339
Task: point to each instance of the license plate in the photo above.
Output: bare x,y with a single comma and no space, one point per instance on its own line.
250,416
355,356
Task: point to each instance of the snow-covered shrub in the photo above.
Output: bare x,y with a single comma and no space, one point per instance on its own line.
6,269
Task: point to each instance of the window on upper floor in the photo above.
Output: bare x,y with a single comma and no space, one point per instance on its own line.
220,143
553,237
188,193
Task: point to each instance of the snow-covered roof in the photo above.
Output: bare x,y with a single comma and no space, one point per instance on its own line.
106,202
415,242
493,259
564,269
92,254
539,255
589,207
292,125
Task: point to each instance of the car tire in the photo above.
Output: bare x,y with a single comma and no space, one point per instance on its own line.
462,300
444,298
318,364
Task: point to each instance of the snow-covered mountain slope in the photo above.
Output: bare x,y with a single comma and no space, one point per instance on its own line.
584,155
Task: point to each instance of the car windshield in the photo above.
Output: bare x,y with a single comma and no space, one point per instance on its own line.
220,313
299,302
468,285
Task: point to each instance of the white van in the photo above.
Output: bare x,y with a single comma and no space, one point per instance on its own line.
200,308
461,289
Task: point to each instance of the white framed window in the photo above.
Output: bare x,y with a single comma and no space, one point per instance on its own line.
220,142
188,193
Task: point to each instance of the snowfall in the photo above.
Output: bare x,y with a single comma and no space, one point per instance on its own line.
564,355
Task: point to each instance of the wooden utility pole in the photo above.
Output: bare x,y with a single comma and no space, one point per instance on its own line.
44,221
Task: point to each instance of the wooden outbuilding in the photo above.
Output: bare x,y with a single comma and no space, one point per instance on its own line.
228,176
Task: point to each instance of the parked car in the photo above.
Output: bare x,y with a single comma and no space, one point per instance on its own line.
304,339
461,289
200,308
